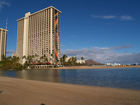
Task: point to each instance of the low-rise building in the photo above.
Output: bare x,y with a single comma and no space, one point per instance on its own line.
113,64
81,61
77,60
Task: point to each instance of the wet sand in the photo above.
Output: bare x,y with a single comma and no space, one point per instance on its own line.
28,92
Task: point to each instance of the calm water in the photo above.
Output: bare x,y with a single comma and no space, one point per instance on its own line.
117,78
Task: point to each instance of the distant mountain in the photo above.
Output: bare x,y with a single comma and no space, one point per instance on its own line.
92,62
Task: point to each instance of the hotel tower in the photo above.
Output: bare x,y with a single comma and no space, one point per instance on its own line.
39,34
3,40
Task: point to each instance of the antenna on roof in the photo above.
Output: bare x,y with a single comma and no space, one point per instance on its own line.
6,25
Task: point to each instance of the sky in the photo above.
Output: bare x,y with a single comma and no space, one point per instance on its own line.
102,30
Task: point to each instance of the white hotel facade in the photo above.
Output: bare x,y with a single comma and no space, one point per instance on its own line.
39,34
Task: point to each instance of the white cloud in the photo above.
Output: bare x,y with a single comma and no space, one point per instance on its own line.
127,18
104,17
10,51
108,17
3,3
105,55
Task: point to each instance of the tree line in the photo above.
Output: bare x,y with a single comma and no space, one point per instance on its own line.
13,63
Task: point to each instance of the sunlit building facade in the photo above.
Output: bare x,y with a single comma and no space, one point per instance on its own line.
39,34
3,40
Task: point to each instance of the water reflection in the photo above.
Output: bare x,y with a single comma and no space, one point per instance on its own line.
8,73
41,75
118,78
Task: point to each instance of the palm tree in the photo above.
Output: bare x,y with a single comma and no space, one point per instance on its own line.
82,58
3,58
41,58
29,59
63,59
24,57
15,59
74,59
45,58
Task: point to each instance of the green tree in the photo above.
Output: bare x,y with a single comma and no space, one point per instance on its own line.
72,61
45,58
10,63
82,58
29,59
63,59
4,58
15,59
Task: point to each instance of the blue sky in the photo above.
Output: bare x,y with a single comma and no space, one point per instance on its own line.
91,25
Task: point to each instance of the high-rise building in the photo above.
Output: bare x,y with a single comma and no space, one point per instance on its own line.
3,40
39,34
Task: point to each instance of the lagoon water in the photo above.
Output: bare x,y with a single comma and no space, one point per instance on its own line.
128,78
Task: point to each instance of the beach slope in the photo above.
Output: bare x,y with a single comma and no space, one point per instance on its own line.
28,92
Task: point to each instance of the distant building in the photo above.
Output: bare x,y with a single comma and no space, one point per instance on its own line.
39,34
13,54
77,61
113,64
67,59
3,40
81,61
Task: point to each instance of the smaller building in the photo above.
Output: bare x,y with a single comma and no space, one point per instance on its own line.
113,64
13,54
81,61
67,59
3,40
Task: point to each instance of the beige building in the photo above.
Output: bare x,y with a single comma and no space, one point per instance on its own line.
39,34
3,39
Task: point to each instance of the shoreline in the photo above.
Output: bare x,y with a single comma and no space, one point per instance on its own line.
95,67
28,92
83,67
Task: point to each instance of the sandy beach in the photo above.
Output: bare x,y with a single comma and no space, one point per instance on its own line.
28,92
